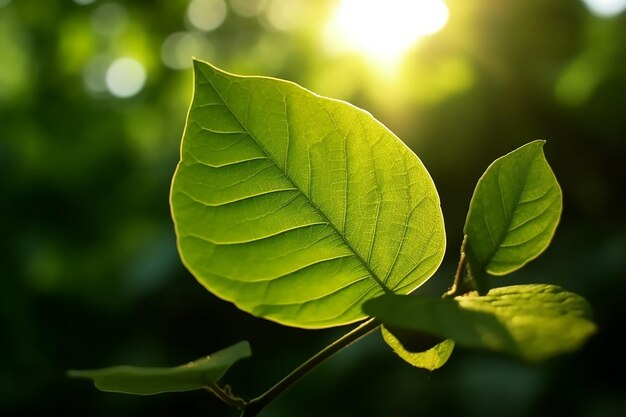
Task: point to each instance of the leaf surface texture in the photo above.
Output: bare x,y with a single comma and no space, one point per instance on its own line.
296,207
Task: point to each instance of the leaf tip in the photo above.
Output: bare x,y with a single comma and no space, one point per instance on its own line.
205,68
73,373
198,64
244,347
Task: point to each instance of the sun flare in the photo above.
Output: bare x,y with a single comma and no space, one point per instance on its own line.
384,30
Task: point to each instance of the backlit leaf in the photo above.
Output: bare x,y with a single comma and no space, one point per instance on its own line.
431,358
513,213
533,322
198,374
296,207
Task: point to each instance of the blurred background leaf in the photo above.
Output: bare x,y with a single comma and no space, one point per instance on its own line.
93,96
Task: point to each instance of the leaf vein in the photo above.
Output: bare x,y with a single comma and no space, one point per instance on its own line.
226,164
327,220
535,217
255,239
237,200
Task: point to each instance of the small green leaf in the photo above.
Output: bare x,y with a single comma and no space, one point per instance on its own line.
513,213
296,207
431,358
532,322
198,374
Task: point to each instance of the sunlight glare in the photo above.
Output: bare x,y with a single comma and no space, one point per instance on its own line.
606,8
384,31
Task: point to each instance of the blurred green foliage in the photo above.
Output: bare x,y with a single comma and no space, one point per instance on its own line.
90,275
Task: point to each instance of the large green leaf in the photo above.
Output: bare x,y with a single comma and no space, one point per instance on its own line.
296,207
202,373
533,322
431,358
513,213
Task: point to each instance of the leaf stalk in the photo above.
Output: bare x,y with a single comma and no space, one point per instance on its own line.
254,406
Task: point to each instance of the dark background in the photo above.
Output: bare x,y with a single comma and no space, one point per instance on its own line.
89,273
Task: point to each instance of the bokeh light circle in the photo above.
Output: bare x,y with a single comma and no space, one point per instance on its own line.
207,15
125,77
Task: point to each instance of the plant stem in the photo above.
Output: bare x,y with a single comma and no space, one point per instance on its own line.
227,396
254,406
466,279
458,284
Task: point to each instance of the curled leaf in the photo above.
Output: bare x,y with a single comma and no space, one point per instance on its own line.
532,322
430,354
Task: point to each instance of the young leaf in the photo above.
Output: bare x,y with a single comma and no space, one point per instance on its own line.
296,207
532,322
430,358
198,374
513,213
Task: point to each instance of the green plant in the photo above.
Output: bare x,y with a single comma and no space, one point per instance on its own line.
307,211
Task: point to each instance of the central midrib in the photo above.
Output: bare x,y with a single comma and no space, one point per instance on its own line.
509,220
310,201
